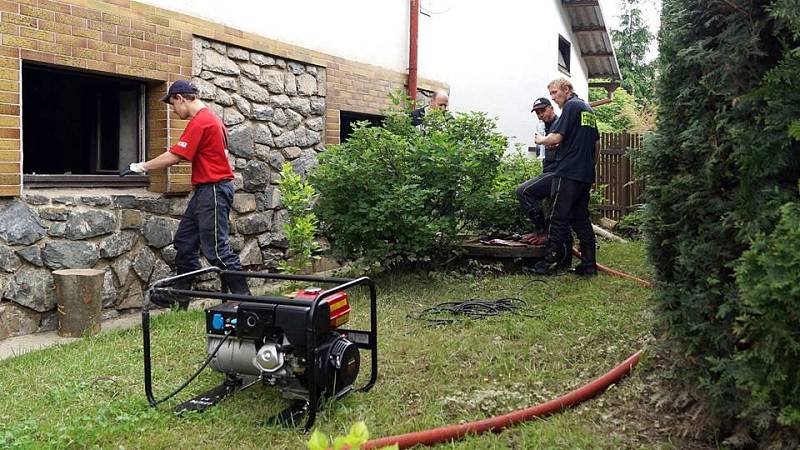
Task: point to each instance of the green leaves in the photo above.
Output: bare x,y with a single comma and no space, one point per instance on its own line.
301,224
794,130
318,441
397,194
357,436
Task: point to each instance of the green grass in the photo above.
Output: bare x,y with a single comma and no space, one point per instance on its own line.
89,394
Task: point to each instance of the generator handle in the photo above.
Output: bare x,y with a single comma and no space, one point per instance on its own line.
286,276
168,280
311,352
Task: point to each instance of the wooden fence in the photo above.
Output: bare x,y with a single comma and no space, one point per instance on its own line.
615,174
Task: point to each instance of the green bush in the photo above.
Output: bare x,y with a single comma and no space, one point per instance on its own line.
396,194
496,208
719,172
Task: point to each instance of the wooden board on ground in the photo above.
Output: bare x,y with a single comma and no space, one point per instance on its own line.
474,248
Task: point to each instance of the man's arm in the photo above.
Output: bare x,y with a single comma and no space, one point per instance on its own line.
161,161
550,140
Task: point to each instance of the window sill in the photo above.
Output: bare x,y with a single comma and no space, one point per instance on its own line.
47,181
564,70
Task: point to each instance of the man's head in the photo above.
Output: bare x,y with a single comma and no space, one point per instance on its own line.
182,95
440,100
544,110
560,90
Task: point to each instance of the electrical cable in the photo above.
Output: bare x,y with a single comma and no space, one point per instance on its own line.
450,312
205,364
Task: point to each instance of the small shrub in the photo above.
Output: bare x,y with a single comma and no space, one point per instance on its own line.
301,224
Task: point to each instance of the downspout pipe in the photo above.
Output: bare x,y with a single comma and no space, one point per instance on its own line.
413,37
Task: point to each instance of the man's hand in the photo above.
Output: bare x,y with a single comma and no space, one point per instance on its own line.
134,168
537,138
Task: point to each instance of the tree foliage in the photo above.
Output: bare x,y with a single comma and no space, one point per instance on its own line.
721,176
631,42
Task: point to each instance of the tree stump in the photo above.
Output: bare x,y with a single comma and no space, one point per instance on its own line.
79,295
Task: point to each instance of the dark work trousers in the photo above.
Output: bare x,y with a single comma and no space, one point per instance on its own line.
570,210
204,228
530,195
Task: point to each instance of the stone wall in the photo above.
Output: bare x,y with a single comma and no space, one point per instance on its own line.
274,110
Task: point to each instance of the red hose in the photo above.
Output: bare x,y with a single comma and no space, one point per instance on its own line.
498,423
615,273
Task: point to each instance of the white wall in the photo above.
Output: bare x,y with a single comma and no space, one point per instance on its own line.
369,31
497,56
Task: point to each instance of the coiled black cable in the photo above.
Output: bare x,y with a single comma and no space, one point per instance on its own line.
449,312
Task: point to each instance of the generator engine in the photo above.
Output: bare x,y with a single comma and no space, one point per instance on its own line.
295,343
265,341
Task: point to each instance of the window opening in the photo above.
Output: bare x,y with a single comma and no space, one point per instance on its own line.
80,128
563,54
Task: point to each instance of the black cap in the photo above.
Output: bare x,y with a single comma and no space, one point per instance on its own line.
540,103
180,87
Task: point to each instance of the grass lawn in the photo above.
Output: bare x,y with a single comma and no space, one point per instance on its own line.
89,394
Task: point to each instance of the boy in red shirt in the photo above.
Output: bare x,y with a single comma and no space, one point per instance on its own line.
204,225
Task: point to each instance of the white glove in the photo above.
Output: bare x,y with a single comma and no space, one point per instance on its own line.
138,168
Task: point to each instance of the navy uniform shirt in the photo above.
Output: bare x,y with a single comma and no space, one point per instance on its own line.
549,163
578,126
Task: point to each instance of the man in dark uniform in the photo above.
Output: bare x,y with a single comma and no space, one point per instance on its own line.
440,100
577,138
204,225
532,192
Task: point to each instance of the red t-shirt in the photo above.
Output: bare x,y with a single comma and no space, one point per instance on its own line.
203,143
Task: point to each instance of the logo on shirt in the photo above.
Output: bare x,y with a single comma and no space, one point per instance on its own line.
182,144
588,119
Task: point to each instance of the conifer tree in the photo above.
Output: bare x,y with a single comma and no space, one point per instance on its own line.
723,223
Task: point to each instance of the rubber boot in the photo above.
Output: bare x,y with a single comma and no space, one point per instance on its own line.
236,284
588,265
168,300
554,254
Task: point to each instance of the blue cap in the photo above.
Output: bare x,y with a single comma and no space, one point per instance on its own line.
180,87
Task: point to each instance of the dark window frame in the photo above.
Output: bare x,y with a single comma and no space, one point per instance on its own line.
564,54
348,118
101,177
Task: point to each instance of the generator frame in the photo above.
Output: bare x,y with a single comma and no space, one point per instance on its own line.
362,339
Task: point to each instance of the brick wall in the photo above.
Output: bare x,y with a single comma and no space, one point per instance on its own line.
122,37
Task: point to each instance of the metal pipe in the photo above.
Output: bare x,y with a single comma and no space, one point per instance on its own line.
412,49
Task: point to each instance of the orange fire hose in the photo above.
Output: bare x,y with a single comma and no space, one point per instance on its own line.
615,273
498,423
